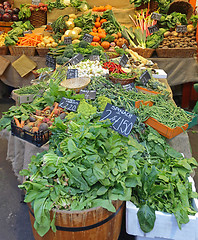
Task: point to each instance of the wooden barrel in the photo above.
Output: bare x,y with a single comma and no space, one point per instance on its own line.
92,224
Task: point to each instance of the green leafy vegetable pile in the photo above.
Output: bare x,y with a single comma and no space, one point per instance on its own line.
64,53
90,166
85,22
163,173
173,19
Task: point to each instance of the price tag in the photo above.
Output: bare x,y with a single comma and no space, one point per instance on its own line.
87,37
122,121
106,56
27,32
124,46
153,28
181,28
129,87
36,2
50,61
94,58
156,16
145,77
67,40
69,104
72,73
76,59
88,94
123,60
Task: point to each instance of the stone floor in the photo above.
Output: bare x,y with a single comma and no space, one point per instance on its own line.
14,218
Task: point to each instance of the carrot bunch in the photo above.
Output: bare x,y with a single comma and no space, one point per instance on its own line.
101,8
30,39
97,32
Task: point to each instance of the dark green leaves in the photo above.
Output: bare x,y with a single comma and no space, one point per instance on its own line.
146,217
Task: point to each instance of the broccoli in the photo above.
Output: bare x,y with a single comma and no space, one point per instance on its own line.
68,53
96,51
83,44
60,60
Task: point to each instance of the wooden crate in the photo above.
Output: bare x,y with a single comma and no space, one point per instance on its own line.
5,26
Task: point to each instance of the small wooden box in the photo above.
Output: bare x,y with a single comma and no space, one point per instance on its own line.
5,26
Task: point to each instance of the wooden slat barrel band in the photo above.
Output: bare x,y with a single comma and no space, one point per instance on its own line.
79,229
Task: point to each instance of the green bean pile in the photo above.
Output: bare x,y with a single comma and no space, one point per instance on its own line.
32,89
166,113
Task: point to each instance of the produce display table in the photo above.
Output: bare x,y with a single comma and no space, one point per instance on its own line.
179,70
20,152
172,66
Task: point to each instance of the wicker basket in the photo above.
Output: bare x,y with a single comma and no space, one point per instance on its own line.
3,50
144,52
181,6
38,18
122,81
19,50
176,52
42,52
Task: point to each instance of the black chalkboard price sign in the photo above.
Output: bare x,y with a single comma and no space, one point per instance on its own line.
72,73
87,37
76,59
145,77
50,61
67,40
123,60
94,57
122,121
156,16
89,94
181,28
153,28
69,104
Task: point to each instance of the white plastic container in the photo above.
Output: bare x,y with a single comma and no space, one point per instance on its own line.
165,227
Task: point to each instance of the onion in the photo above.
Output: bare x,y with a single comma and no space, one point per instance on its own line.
9,10
6,3
15,17
73,34
6,17
16,10
69,24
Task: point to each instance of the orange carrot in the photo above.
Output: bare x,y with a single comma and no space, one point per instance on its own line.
22,123
46,108
17,122
55,107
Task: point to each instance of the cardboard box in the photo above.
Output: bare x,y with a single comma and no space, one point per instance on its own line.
160,73
26,98
165,227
